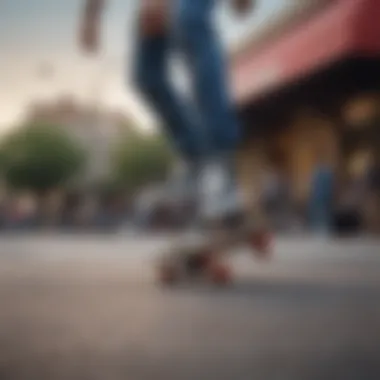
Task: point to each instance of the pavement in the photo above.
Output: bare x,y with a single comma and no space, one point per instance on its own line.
87,307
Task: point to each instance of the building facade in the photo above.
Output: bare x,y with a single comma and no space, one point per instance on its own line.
96,129
311,91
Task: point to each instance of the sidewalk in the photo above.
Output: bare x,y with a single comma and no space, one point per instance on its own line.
126,244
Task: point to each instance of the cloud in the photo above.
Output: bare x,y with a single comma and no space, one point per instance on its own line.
35,33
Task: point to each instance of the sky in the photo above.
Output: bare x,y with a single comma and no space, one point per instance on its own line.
39,56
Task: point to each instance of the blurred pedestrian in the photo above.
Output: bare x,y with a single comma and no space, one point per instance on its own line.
373,199
321,196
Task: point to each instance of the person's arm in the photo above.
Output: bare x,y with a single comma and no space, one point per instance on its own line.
243,6
154,16
90,25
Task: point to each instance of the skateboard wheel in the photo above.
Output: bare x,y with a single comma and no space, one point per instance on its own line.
261,242
220,274
168,275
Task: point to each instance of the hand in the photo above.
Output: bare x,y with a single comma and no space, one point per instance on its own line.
89,36
89,33
243,6
154,17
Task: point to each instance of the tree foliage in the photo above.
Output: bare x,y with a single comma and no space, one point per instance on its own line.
141,160
40,157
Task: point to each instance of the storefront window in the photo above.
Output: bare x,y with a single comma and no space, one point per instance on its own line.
360,111
358,163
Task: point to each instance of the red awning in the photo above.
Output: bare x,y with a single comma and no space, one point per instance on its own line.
342,28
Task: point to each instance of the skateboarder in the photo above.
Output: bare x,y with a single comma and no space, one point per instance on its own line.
206,132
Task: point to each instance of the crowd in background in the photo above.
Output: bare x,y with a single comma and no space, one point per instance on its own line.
334,205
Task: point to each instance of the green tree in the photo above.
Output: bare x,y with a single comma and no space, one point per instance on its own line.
39,158
141,159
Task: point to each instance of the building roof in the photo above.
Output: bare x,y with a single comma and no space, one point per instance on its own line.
340,28
295,12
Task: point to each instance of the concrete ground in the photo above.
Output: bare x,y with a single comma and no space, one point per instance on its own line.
87,307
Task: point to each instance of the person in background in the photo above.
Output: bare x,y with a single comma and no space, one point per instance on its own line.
373,200
321,196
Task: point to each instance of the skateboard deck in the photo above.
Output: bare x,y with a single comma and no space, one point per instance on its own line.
205,258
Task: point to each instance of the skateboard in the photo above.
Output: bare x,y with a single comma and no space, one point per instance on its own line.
205,260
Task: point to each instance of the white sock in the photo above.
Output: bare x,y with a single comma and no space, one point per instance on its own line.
219,195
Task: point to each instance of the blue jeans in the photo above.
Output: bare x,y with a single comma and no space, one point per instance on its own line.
321,214
207,125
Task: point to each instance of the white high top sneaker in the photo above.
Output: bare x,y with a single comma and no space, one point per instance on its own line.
219,191
184,182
